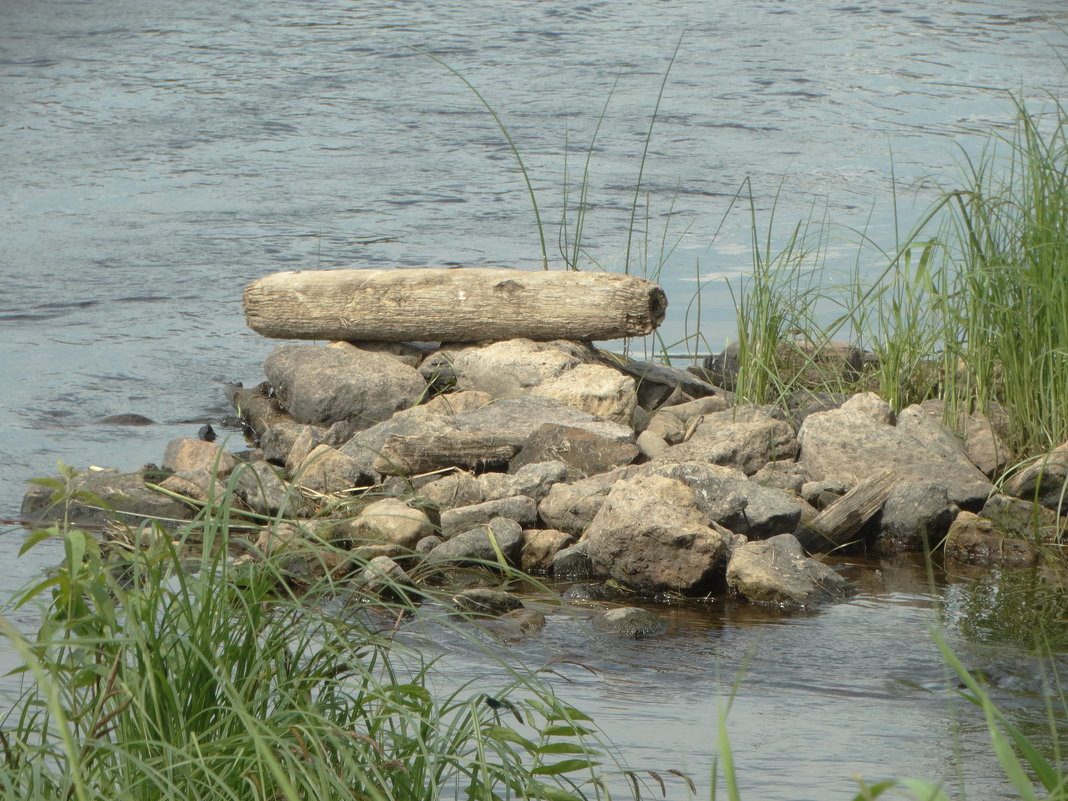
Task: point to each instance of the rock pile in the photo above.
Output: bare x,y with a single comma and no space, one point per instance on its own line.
557,458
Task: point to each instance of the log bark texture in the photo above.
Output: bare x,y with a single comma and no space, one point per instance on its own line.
842,519
452,305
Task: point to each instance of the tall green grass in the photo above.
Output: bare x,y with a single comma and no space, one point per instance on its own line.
178,672
971,307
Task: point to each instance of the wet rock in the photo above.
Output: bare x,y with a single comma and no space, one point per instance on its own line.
849,445
1019,518
322,385
745,437
519,508
587,593
595,389
915,517
477,546
390,520
124,496
584,452
540,546
128,419
975,540
651,535
327,470
776,571
485,602
195,454
573,563
631,622
1044,481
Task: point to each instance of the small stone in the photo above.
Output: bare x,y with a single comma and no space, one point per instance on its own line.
631,622
485,602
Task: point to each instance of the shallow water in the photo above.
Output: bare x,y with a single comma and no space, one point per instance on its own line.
156,158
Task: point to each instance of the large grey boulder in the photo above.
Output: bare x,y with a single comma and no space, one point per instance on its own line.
849,445
651,535
916,516
725,496
324,385
744,437
776,571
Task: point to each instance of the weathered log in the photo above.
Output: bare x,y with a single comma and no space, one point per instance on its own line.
452,305
843,518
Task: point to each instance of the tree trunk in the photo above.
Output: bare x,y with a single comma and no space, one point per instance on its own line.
452,305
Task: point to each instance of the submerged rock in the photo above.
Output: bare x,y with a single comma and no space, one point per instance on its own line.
631,622
777,571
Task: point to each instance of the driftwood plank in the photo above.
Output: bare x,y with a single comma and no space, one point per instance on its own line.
836,524
452,305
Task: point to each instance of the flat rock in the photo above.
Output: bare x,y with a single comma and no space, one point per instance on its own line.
584,452
776,571
484,602
520,508
631,622
124,494
324,385
476,545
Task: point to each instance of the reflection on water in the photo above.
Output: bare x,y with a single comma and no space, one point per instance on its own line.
159,156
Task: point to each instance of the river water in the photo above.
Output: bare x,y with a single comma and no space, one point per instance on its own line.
155,157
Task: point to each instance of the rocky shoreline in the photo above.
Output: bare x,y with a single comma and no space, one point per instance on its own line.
391,463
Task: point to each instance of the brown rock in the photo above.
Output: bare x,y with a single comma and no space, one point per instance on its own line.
196,454
976,541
